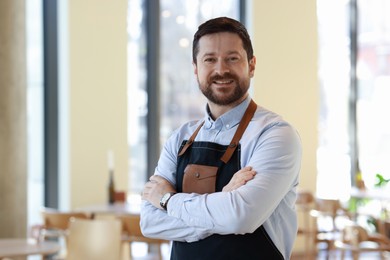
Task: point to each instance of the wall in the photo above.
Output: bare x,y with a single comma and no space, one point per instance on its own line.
97,105
285,43
13,119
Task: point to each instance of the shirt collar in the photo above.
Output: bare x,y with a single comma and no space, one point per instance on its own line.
227,120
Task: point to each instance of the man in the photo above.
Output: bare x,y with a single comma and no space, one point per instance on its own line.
225,186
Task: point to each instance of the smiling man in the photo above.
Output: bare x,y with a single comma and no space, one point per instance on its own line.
225,186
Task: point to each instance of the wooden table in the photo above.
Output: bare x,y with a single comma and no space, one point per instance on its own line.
16,247
116,208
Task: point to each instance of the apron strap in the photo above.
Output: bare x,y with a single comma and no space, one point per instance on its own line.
250,111
191,140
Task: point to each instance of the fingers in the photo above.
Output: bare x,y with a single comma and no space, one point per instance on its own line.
240,178
157,179
245,169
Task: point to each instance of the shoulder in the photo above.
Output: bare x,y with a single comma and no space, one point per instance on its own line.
182,133
268,126
266,119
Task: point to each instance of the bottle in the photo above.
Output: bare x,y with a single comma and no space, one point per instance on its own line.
111,188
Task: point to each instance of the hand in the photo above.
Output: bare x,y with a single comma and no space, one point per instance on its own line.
240,178
155,188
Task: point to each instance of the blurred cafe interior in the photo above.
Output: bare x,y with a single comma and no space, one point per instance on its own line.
90,90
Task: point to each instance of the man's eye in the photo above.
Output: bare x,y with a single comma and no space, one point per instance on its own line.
209,60
233,59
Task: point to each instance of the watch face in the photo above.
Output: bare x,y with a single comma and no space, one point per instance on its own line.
165,197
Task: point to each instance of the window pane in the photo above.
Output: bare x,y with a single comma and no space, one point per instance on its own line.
35,116
137,95
373,72
181,99
333,155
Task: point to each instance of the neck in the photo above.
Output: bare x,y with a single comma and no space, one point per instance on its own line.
218,110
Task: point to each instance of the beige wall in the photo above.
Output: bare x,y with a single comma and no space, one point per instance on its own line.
285,43
13,119
97,97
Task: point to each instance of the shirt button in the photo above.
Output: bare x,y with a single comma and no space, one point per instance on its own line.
227,126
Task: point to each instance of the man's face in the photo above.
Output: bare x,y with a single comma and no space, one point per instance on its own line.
222,68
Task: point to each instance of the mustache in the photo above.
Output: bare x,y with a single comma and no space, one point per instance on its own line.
225,76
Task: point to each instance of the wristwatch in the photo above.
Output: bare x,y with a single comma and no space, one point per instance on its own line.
165,198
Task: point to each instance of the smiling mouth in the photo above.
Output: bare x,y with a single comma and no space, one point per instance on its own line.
223,82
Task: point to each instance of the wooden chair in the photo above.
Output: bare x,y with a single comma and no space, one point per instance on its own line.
94,239
330,217
56,226
304,204
132,233
56,223
356,239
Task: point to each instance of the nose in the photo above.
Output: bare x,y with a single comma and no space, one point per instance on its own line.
221,67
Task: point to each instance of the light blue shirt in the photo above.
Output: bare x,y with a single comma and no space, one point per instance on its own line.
271,146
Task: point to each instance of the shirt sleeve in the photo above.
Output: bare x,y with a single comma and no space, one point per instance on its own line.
156,223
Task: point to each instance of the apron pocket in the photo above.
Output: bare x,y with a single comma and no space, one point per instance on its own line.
199,178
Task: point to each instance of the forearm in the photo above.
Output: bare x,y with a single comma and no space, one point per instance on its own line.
237,212
155,223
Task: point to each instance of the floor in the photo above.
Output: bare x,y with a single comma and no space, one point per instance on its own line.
140,251
336,255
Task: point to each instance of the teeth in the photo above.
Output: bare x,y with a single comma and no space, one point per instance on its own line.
223,82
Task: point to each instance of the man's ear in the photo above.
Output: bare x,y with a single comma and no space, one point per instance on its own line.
252,66
195,68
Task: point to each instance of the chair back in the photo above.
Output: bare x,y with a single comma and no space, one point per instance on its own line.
354,234
132,232
304,198
53,219
94,239
328,206
130,224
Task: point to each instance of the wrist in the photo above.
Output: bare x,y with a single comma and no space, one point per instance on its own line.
165,199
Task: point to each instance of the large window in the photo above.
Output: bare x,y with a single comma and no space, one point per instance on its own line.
35,106
175,90
355,78
333,153
137,94
373,75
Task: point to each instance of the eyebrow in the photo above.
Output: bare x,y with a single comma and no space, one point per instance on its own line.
213,53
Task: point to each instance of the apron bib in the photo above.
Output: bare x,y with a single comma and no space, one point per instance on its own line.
256,245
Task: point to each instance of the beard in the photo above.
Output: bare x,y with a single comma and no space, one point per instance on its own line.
228,97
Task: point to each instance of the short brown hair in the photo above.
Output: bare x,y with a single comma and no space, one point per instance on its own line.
222,24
